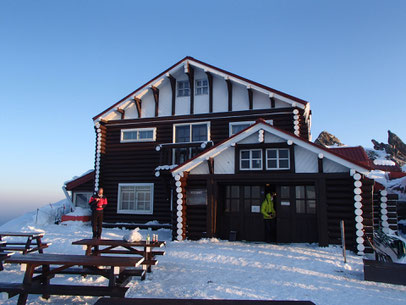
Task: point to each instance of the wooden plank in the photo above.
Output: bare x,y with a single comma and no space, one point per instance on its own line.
385,272
250,99
230,94
191,77
155,93
172,80
210,81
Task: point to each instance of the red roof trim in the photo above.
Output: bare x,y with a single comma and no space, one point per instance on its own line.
79,181
212,67
283,131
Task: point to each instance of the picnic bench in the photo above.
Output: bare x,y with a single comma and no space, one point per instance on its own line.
116,272
3,255
97,247
31,243
144,301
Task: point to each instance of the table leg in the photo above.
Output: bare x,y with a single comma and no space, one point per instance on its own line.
148,257
45,280
88,250
27,245
22,299
112,277
39,244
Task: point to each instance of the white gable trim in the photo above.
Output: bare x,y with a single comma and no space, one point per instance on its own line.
266,127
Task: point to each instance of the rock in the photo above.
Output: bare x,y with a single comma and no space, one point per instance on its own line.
395,148
327,139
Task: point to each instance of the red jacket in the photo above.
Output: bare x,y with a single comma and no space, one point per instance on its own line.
99,205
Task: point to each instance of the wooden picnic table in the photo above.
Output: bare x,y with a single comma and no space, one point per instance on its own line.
3,254
144,301
31,243
116,272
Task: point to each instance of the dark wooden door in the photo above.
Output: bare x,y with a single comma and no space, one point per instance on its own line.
305,214
253,225
284,215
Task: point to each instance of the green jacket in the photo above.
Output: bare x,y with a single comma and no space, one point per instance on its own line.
267,207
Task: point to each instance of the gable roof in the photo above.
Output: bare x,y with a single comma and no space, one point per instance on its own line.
261,124
80,180
215,70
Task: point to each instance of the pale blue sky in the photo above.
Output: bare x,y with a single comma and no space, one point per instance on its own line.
62,62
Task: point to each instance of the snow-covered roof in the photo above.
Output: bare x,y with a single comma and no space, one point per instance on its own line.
78,180
261,124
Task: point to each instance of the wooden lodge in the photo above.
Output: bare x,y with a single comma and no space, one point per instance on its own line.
196,147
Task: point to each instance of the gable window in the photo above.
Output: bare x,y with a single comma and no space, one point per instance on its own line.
183,88
135,198
305,199
251,159
236,127
277,158
195,132
202,87
138,135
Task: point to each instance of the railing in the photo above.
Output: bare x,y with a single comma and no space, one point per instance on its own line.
178,153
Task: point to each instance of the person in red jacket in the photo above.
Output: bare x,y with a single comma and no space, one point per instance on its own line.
97,203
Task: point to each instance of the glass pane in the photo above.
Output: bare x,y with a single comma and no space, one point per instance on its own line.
186,84
146,134
228,191
271,153
256,154
227,207
182,133
245,154
283,164
271,163
300,206
235,205
186,92
129,135
247,191
198,83
256,164
256,192
82,200
238,127
285,192
199,132
283,153
245,164
205,90
311,206
180,85
300,191
205,83
235,191
310,192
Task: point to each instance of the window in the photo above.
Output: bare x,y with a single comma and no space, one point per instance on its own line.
138,135
202,87
196,197
183,88
305,199
196,132
232,203
135,198
82,199
235,127
277,158
251,159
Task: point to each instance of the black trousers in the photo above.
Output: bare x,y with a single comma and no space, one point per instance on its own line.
270,230
97,221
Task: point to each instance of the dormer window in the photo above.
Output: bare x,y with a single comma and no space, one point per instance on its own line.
202,87
183,88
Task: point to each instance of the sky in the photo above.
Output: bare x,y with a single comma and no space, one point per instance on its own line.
63,62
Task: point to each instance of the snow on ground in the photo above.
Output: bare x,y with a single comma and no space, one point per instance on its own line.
217,269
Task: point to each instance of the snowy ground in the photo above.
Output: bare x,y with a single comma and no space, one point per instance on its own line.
222,269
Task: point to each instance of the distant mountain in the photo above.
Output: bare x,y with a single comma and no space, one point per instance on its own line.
327,139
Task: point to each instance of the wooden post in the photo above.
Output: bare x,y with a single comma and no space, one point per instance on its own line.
250,99
343,240
210,81
155,92
230,94
137,102
173,87
191,76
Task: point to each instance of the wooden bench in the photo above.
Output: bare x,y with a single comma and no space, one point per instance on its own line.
116,273
144,301
32,243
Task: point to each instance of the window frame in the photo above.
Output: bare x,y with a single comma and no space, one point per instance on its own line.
191,131
79,193
270,122
251,159
277,159
178,89
135,212
153,139
202,87
306,200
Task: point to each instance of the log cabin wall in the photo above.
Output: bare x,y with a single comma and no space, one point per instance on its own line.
385,211
367,211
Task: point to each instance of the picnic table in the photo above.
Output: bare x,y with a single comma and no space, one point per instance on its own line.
3,254
144,301
96,247
118,273
31,243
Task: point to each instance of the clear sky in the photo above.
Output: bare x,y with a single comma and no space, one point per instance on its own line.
62,62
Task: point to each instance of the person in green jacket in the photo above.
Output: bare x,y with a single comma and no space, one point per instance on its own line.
269,213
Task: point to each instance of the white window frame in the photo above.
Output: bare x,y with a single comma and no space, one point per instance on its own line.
251,159
137,130
201,87
277,159
121,211
270,122
183,89
81,193
190,132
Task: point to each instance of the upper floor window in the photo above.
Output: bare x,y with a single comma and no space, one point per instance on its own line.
194,132
236,127
277,158
135,198
251,159
202,87
138,135
183,88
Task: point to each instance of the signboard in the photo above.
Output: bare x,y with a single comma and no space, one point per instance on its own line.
285,203
255,209
196,197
